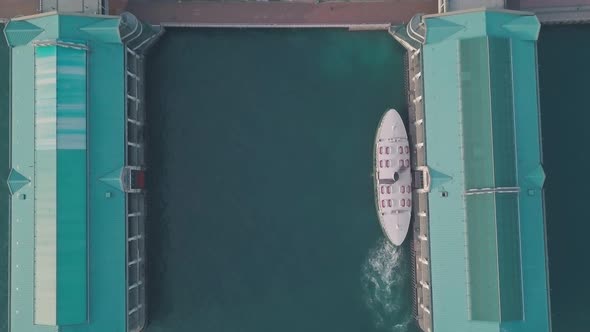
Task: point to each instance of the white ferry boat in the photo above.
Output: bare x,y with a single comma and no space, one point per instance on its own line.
393,177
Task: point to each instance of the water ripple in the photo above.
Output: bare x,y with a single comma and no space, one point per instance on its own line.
384,281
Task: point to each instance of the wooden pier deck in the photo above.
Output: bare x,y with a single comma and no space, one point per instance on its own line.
14,8
269,14
559,11
300,13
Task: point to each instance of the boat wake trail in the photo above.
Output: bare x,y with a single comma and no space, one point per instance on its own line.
385,287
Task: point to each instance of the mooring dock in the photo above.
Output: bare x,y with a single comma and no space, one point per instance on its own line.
278,14
466,189
332,13
558,11
77,204
294,13
478,218
412,36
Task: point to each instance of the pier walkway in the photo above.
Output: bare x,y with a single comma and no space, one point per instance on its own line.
277,14
13,8
304,14
412,36
558,11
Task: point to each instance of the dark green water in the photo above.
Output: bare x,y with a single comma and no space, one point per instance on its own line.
564,70
261,199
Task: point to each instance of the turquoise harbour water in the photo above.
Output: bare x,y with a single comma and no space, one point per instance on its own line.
261,198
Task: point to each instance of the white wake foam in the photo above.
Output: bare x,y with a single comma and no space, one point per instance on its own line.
383,282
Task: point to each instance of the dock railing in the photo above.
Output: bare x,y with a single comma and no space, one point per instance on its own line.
136,205
137,38
412,37
443,6
91,7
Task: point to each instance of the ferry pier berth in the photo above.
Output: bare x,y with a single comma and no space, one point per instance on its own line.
479,248
77,206
77,158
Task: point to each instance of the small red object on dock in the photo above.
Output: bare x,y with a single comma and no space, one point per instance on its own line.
140,179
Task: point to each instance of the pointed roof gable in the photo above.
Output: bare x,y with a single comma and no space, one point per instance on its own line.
21,32
113,179
16,181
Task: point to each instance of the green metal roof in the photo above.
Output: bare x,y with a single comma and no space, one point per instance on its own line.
21,32
64,226
487,113
493,257
488,253
489,159
51,26
60,190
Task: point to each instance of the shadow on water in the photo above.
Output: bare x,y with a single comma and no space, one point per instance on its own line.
261,198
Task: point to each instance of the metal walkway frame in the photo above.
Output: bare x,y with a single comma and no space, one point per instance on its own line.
92,7
411,37
137,38
135,206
